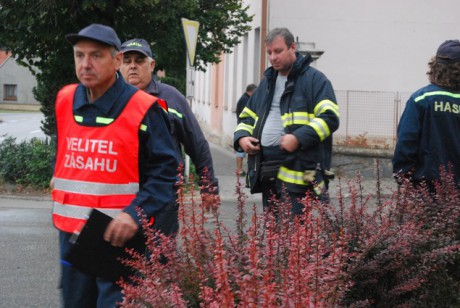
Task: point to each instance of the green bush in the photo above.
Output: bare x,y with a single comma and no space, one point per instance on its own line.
178,83
27,163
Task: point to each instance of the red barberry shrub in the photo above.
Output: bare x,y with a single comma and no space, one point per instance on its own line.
376,250
264,262
406,248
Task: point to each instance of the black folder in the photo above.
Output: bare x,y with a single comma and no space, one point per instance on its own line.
91,254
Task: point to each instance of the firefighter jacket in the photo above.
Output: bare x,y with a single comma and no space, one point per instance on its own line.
308,111
96,167
428,135
186,131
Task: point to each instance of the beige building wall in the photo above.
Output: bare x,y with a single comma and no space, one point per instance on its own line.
13,74
219,88
371,45
367,45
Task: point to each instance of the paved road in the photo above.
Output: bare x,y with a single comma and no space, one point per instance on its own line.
28,254
21,125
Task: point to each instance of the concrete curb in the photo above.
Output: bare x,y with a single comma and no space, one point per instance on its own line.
26,197
20,107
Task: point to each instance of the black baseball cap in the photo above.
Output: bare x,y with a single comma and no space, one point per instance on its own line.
138,45
449,52
96,32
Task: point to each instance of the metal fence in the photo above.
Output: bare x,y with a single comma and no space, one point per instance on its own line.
369,119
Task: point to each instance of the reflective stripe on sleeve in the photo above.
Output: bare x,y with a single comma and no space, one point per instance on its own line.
246,127
325,105
321,128
248,113
93,188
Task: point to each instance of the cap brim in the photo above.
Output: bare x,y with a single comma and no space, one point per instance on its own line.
75,38
123,50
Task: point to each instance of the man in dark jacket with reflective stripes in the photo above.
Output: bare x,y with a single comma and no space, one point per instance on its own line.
137,68
428,131
287,125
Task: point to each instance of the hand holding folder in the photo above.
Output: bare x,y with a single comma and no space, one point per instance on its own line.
91,254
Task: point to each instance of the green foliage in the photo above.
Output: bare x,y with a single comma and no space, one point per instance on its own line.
34,30
27,163
178,83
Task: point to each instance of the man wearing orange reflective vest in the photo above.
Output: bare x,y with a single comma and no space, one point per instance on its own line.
114,154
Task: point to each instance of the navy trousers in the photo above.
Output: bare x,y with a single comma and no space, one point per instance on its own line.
82,290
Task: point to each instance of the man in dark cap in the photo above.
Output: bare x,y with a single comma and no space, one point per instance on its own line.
428,131
114,154
137,68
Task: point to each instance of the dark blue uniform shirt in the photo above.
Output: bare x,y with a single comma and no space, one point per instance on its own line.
186,131
428,134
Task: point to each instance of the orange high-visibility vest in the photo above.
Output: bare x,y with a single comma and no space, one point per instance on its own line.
96,167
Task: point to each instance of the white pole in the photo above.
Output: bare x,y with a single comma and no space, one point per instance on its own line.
187,168
188,80
191,35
